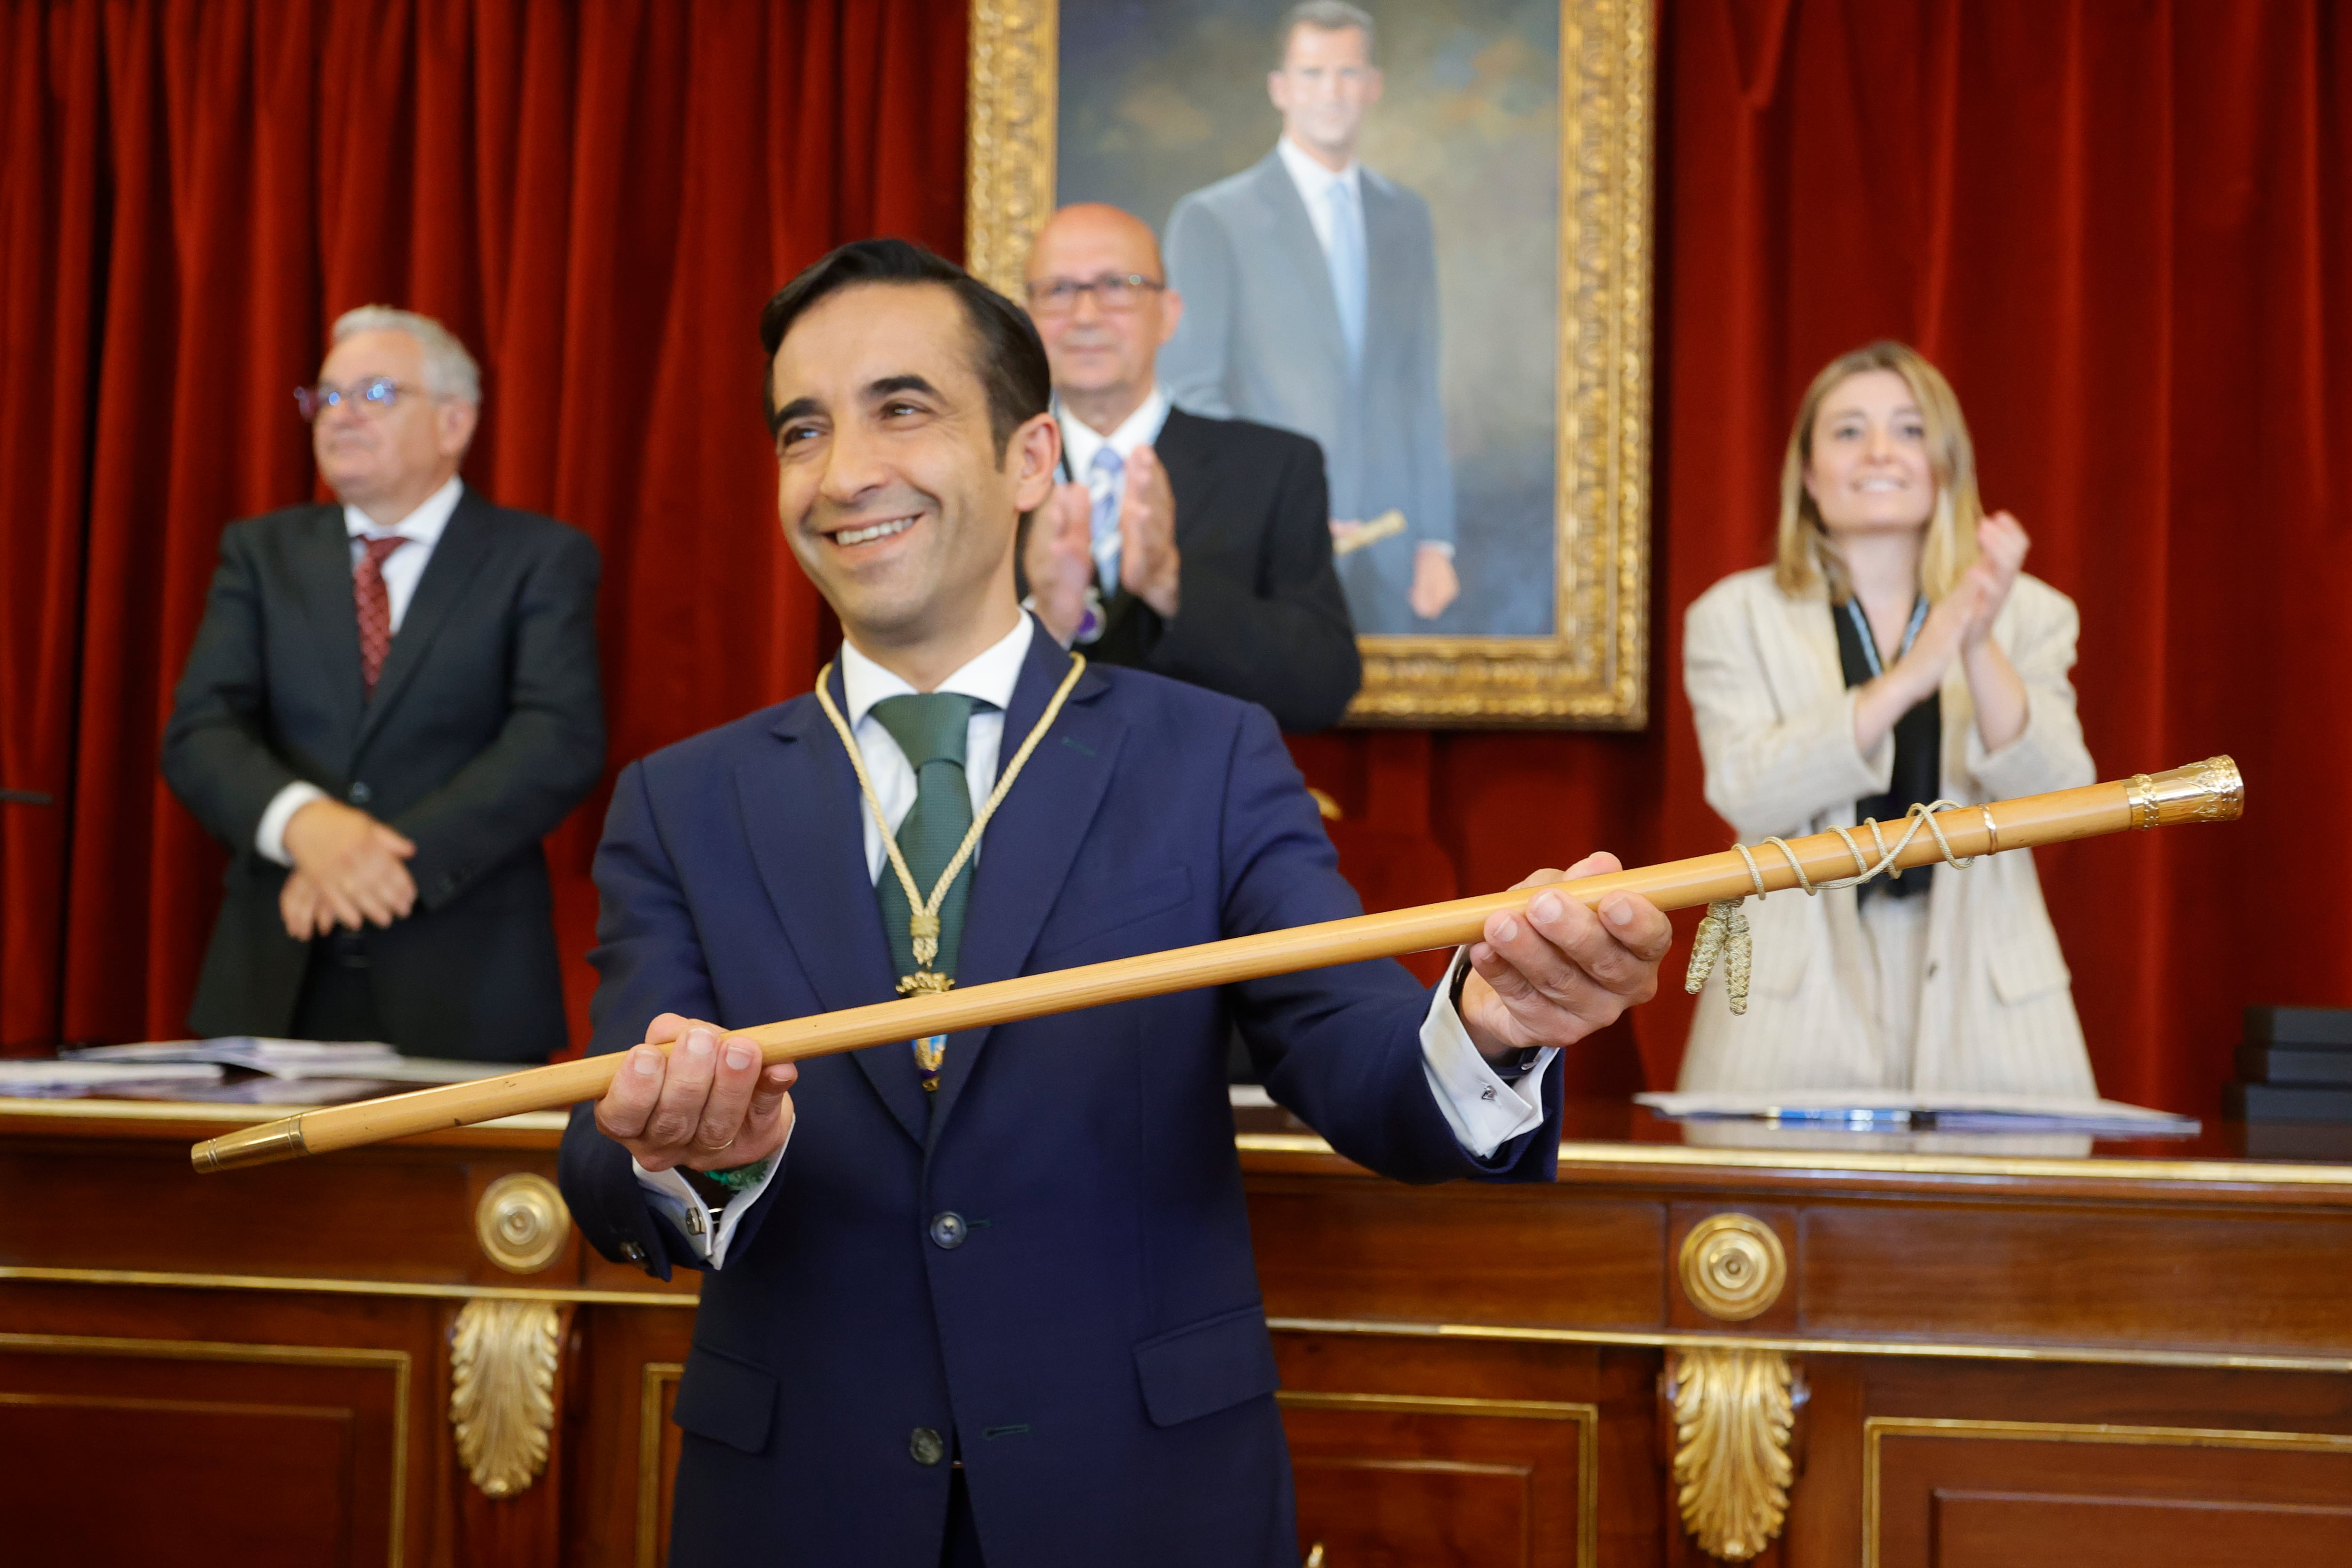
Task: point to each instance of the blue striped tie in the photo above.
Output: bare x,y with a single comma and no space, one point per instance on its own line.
1102,485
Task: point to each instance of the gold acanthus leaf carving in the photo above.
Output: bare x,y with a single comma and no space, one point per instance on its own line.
1734,1412
502,1363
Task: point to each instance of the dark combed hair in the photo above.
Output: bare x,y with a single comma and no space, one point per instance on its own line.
1006,350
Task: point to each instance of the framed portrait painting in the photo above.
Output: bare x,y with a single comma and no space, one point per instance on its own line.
1418,231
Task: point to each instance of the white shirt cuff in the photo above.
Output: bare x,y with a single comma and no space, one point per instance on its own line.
1484,1111
270,839
1442,546
674,1196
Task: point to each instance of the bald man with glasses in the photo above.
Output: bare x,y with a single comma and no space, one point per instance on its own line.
391,699
1194,548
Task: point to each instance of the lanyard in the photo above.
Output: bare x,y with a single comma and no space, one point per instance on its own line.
1870,638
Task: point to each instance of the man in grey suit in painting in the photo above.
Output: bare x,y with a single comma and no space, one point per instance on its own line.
1311,289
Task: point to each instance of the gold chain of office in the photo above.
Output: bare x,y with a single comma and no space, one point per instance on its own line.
923,913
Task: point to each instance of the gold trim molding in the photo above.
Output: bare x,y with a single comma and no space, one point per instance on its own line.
1735,1411
396,1362
1875,1429
1868,1162
502,1361
1592,672
649,1435
1588,1438
315,1286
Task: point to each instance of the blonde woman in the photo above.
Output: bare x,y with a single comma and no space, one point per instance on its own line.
1892,652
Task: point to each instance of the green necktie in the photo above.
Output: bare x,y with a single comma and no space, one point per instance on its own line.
930,730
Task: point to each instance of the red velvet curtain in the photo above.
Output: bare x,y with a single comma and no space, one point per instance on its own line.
2119,227
596,197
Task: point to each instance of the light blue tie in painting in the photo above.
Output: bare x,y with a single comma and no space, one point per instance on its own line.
1346,258
1102,484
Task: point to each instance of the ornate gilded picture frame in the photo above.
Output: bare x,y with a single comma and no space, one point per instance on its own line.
1526,148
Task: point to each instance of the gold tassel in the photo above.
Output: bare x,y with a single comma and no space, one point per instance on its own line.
1722,936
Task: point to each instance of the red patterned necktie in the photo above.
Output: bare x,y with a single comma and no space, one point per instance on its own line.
375,608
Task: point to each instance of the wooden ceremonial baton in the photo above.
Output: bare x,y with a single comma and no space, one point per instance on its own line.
2210,791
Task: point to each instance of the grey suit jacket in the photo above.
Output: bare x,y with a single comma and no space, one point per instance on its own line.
1260,340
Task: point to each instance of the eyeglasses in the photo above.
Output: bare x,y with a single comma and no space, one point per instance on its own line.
1112,292
369,398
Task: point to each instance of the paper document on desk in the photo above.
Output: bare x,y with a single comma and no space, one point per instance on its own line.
369,1059
50,1079
1882,1109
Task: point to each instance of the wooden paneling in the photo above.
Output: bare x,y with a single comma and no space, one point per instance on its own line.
1399,1479
2019,1494
2239,1281
396,1213
2010,1530
618,1484
1510,1254
1472,1372
171,1450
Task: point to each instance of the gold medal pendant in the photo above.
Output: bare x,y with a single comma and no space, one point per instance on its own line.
924,982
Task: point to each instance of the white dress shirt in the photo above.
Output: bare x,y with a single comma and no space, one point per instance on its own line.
402,569
1483,1111
1315,182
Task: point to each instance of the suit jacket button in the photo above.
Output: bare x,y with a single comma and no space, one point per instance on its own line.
925,1446
360,794
948,1229
633,1252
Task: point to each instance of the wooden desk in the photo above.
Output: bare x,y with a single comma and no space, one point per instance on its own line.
1970,1360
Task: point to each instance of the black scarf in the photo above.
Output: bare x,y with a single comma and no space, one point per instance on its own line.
1918,751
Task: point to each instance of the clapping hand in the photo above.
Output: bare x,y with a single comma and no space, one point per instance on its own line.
1962,619
1149,561
1058,559
2002,544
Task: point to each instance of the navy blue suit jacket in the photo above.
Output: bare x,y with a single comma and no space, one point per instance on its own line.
1094,1348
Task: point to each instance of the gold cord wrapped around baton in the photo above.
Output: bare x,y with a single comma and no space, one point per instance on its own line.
2208,791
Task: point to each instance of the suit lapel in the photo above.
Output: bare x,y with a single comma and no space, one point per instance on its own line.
1033,840
1386,240
1816,673
801,814
1294,237
464,544
1190,460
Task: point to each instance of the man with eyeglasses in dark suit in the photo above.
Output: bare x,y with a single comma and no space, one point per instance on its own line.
391,700
1193,548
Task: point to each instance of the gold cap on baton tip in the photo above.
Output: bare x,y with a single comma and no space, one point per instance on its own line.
2210,791
264,1145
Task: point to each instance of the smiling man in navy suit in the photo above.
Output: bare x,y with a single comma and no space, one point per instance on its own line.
989,1295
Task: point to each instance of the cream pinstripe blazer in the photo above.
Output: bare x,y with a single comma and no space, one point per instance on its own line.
1775,729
